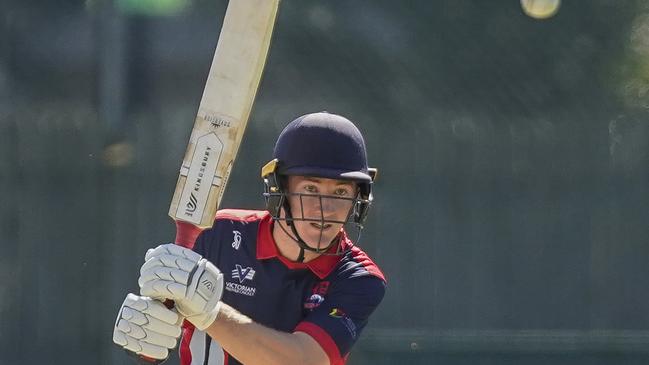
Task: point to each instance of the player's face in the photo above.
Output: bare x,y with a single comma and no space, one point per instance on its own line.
320,207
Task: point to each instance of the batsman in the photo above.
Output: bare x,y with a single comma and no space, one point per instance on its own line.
285,285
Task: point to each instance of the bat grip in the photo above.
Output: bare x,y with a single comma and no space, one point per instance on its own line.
186,234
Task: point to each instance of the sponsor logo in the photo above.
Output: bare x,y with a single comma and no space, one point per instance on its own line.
243,274
313,302
198,181
236,243
240,289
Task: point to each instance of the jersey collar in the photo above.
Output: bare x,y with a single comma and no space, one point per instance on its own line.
320,266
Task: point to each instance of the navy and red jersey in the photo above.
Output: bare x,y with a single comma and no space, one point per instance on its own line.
329,298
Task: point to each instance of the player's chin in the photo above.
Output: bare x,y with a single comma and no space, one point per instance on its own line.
319,236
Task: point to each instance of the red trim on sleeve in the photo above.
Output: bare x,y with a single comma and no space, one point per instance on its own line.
186,234
324,340
185,352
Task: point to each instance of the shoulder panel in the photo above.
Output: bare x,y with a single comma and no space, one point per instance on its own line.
360,257
242,215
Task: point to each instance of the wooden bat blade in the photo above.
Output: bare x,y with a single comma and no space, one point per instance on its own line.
224,110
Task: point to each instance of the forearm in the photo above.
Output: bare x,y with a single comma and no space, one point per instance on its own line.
252,343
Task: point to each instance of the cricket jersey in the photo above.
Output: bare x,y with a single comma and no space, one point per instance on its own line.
329,298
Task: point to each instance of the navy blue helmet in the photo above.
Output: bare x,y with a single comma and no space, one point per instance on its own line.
320,145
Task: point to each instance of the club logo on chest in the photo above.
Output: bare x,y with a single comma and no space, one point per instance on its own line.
241,274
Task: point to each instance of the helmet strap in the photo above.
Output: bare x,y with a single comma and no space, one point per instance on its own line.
300,257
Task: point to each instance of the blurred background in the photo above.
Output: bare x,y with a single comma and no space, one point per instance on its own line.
511,214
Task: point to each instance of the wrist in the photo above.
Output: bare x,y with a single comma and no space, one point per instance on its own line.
202,321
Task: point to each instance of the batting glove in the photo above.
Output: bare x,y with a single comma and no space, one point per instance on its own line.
177,273
146,328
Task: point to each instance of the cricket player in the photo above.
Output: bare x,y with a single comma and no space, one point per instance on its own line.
283,286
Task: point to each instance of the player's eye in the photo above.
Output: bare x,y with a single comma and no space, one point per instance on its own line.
310,189
342,192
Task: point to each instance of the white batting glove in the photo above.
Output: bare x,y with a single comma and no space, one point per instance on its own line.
144,326
177,273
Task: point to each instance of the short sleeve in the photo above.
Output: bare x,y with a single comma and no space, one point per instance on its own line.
338,321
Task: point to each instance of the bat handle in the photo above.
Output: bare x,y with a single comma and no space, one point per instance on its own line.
186,234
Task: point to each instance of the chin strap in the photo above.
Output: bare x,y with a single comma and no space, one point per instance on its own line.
303,246
298,239
300,257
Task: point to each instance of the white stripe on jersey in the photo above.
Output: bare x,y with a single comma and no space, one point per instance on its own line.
197,349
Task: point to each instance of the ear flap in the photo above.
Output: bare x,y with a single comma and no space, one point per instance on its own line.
272,188
363,207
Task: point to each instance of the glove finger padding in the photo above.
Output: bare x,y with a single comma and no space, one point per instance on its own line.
145,349
146,327
153,307
163,289
173,250
164,273
152,324
144,334
163,282
170,261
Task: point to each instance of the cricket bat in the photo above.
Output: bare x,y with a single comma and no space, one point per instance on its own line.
222,115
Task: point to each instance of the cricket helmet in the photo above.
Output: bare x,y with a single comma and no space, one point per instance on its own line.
321,145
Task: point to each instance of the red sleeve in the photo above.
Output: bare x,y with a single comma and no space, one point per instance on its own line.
324,340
